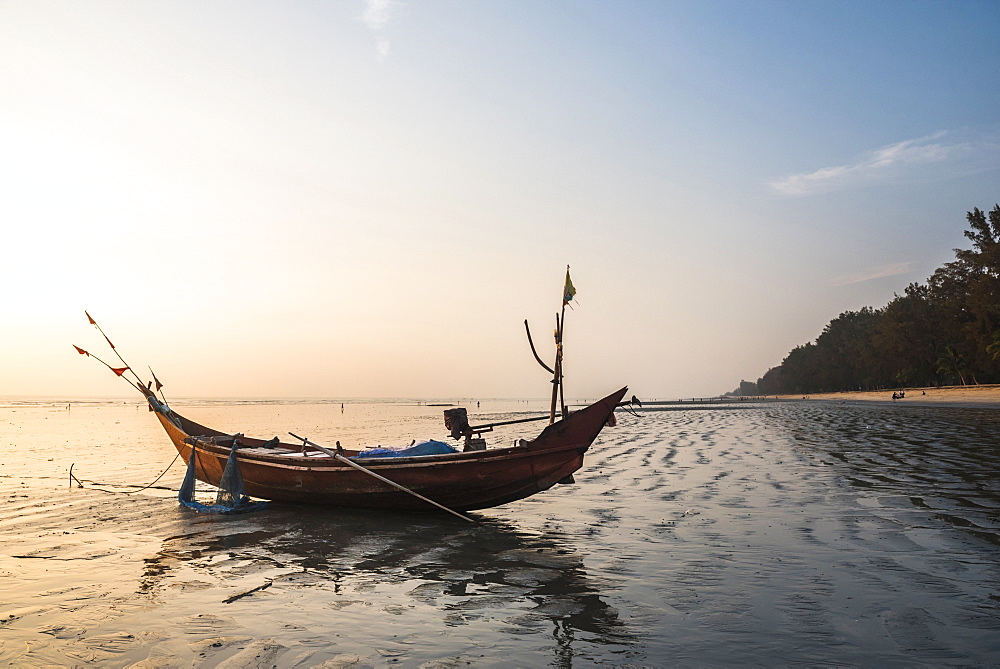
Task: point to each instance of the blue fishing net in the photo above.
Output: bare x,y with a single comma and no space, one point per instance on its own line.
429,447
231,497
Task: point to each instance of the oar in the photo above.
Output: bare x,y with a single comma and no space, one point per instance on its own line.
338,456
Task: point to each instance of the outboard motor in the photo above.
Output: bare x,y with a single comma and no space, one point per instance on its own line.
457,421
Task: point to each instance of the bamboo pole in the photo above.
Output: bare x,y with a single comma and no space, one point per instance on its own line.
557,372
562,324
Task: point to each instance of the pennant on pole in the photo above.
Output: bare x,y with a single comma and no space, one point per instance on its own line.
94,323
158,384
119,370
81,351
568,290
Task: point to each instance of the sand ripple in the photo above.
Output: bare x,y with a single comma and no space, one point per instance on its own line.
796,534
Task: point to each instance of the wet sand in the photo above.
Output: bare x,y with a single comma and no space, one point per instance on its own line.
785,534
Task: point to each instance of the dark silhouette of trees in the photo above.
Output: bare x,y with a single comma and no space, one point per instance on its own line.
946,331
746,389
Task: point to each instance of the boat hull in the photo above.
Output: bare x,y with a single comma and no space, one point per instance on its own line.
460,481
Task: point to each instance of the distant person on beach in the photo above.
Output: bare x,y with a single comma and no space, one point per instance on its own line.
895,396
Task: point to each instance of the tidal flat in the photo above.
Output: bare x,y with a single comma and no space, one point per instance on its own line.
795,534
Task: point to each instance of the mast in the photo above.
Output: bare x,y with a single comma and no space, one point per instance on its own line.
557,368
558,396
558,393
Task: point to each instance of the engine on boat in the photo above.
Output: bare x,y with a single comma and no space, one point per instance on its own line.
457,421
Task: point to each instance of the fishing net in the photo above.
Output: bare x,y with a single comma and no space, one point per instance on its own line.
430,447
231,497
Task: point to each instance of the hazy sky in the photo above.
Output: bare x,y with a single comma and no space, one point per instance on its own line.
367,199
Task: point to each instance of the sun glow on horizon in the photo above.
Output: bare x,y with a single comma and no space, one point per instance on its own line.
369,198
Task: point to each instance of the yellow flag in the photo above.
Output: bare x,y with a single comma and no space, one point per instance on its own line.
568,290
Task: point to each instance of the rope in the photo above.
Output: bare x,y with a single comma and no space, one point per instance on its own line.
132,492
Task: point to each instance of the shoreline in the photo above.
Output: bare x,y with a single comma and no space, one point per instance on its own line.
982,396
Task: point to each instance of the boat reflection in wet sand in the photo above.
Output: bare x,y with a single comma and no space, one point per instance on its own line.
428,573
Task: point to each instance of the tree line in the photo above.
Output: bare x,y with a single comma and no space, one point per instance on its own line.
943,332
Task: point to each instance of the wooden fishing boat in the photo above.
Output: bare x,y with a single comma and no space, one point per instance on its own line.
476,478
462,481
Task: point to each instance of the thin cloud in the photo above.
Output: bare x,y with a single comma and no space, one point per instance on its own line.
376,17
872,166
377,13
894,269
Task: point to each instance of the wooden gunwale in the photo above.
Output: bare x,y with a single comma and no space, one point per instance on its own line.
325,462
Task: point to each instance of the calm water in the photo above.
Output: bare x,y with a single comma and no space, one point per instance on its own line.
790,534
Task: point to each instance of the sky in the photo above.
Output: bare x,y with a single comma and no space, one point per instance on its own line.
367,199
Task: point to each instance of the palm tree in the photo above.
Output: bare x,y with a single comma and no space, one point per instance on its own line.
952,363
994,348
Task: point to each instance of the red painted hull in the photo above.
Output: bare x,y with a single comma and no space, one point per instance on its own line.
460,481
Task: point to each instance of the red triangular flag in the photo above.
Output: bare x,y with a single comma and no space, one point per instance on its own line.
119,370
158,384
80,350
92,321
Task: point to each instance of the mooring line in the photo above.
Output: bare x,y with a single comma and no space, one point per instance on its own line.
119,492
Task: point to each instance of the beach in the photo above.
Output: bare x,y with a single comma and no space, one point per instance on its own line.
986,396
790,533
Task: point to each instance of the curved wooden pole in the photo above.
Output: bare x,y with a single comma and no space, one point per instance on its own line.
534,352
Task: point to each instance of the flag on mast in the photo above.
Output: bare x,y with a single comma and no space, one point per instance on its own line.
158,384
568,290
